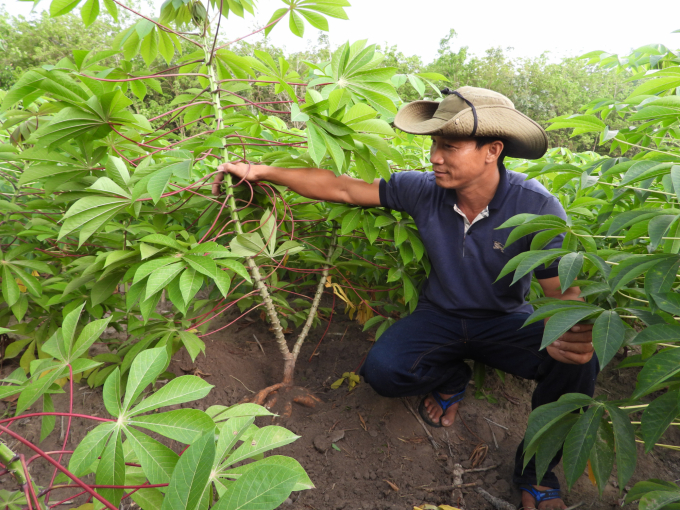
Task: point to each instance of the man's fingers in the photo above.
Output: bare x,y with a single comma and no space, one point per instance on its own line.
217,182
581,328
576,359
580,348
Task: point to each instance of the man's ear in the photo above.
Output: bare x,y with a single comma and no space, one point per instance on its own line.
494,150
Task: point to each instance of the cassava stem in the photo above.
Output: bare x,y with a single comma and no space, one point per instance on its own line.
231,202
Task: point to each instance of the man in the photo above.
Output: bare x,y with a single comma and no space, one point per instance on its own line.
463,314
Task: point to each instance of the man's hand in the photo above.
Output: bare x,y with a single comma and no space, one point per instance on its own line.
575,347
238,170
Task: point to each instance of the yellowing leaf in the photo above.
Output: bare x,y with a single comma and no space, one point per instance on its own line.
591,475
337,383
35,273
21,285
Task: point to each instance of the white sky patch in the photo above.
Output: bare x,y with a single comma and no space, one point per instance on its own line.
529,27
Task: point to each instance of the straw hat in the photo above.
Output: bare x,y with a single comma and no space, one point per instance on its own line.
475,112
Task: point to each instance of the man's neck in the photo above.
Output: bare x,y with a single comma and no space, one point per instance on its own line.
474,198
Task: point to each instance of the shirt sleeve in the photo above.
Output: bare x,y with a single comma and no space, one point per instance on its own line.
403,191
551,206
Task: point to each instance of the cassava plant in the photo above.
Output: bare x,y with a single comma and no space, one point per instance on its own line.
621,247
111,211
126,462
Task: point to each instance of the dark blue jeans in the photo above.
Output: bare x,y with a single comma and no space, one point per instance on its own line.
425,352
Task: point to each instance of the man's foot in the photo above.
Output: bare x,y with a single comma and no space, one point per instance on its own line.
434,410
529,502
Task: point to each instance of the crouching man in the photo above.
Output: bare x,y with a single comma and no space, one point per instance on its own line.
463,313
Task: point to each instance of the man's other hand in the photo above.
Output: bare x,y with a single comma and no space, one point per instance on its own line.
575,346
238,170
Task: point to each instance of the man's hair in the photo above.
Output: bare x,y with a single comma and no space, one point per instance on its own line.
481,141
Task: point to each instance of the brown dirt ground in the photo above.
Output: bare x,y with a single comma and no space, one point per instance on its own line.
382,447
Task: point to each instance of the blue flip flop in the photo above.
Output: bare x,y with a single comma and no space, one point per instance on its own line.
538,495
443,403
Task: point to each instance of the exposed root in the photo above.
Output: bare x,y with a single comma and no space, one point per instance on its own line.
260,397
284,395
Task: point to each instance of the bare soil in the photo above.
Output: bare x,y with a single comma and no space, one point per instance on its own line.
361,450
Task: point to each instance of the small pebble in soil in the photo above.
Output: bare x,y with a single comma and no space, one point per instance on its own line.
373,433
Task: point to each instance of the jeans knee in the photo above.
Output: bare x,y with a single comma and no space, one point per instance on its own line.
379,373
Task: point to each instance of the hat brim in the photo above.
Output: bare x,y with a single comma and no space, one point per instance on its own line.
524,137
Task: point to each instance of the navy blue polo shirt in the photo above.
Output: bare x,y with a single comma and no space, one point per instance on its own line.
465,266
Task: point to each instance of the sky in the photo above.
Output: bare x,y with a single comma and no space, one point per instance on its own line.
529,27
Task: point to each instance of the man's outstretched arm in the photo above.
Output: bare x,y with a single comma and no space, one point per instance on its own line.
576,345
313,183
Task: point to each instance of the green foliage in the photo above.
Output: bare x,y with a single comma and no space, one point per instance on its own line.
621,249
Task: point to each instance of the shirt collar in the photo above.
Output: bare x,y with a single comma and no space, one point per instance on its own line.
496,201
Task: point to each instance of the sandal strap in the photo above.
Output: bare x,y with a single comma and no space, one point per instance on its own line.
446,403
540,495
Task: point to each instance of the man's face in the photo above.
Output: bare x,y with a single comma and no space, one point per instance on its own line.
457,163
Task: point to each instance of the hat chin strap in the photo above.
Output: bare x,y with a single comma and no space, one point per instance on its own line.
448,91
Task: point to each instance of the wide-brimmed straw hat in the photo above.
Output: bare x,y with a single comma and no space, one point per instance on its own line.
476,112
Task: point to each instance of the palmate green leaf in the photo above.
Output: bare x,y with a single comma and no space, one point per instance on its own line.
657,417
90,334
111,469
624,439
658,226
160,178
608,336
642,488
631,268
220,413
89,12
148,499
659,279
550,442
60,7
204,265
602,455
178,391
161,278
544,417
303,481
145,368
112,393
315,143
190,283
191,476
149,48
579,443
561,322
657,333
89,214
90,448
534,259
668,302
183,425
658,369
193,344
569,268
264,488
265,439
150,267
658,500
35,390
230,434
350,221
48,422
158,461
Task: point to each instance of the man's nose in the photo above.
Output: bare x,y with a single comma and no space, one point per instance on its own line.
436,157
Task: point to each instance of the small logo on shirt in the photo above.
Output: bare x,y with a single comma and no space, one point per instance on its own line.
497,245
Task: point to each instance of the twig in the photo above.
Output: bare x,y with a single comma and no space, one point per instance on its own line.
258,343
497,424
497,503
239,380
493,435
408,405
443,488
574,507
478,470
